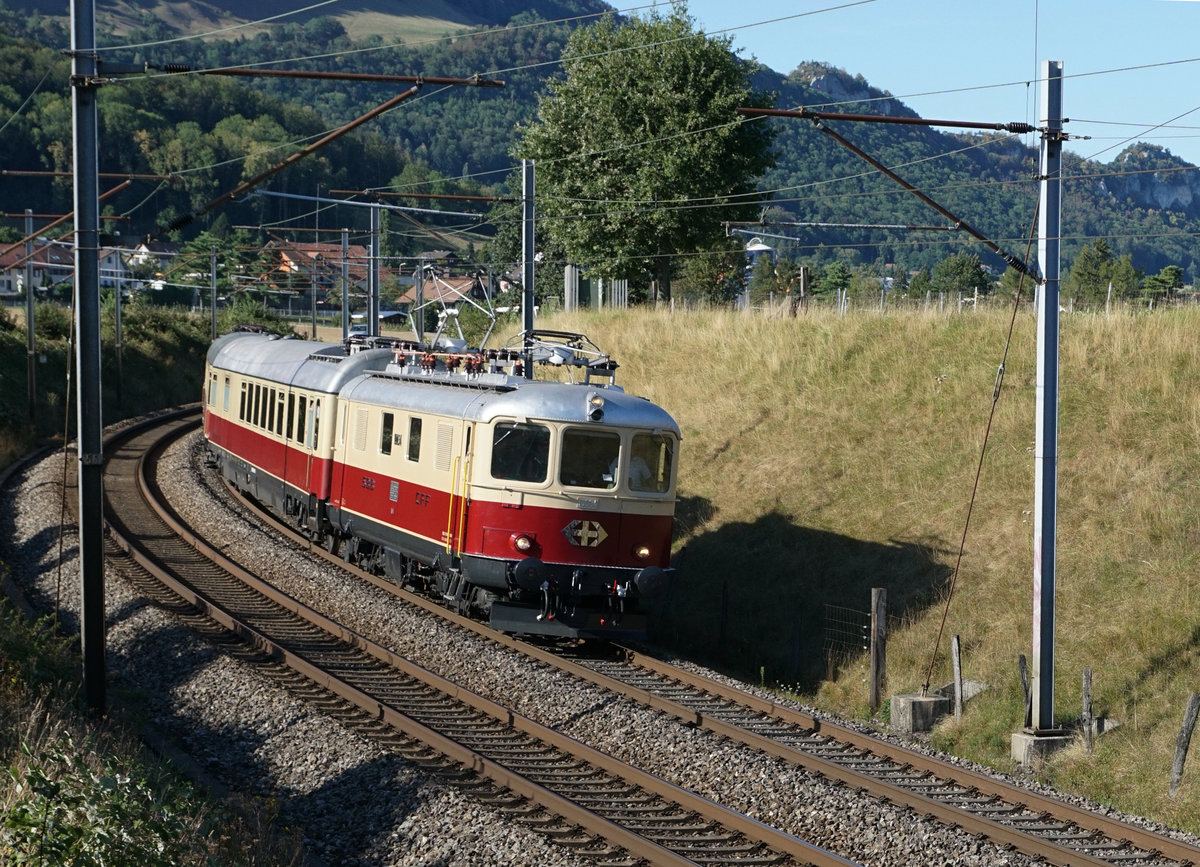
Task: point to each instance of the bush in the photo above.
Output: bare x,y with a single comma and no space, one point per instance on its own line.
68,813
52,321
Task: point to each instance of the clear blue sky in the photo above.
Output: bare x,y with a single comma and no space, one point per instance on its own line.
915,47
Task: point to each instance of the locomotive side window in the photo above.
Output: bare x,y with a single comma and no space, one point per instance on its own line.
414,439
226,398
212,391
291,417
279,414
385,434
301,418
270,410
520,452
650,463
242,409
589,458
316,426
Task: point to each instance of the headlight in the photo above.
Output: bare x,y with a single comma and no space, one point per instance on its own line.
595,407
642,552
522,543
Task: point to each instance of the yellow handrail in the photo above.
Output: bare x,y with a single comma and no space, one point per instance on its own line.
450,513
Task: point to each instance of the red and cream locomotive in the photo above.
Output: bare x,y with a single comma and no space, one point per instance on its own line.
545,506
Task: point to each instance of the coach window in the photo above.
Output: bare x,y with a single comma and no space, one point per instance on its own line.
414,439
301,419
385,434
291,417
225,399
650,463
279,429
589,458
316,437
242,408
520,452
212,391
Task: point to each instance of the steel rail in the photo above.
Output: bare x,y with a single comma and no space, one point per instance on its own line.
983,784
632,842
1115,829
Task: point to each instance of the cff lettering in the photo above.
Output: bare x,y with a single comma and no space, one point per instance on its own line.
422,499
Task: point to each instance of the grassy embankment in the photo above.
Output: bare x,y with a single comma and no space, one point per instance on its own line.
826,455
77,790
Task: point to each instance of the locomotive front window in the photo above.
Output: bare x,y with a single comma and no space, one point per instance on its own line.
650,463
520,452
589,458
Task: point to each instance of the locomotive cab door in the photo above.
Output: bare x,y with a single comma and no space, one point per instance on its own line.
460,492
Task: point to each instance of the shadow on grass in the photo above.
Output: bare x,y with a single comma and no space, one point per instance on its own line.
749,598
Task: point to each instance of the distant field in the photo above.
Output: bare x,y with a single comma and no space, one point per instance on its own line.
421,20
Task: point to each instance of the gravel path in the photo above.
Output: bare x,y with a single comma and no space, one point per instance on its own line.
355,799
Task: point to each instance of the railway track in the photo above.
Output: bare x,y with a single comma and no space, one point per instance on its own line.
1054,831
600,807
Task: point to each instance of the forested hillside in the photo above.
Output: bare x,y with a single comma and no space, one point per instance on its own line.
207,134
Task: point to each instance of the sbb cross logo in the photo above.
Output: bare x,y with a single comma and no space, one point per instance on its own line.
584,534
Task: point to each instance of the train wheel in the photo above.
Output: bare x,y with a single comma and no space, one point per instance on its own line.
330,542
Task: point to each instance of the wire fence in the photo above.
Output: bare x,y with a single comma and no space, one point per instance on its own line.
847,634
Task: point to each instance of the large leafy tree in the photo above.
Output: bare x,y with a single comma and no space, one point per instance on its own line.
639,150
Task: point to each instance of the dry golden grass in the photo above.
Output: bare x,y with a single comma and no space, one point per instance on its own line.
825,455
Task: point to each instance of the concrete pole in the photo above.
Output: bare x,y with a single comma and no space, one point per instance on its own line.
527,260
1046,440
212,286
30,342
117,345
373,277
87,350
345,283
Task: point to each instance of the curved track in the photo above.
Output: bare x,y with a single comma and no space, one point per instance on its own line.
1013,817
625,814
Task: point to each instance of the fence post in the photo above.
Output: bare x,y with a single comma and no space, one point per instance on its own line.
956,657
1184,740
1085,715
878,645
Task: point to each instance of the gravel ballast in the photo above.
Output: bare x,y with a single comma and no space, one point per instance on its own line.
355,799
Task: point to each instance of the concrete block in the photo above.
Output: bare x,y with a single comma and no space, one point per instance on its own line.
971,688
918,713
1030,749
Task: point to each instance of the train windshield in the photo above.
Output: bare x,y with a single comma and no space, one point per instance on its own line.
520,452
650,463
589,458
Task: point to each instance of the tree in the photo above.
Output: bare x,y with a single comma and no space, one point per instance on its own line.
1090,274
641,131
1126,279
962,272
1165,283
835,278
717,276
